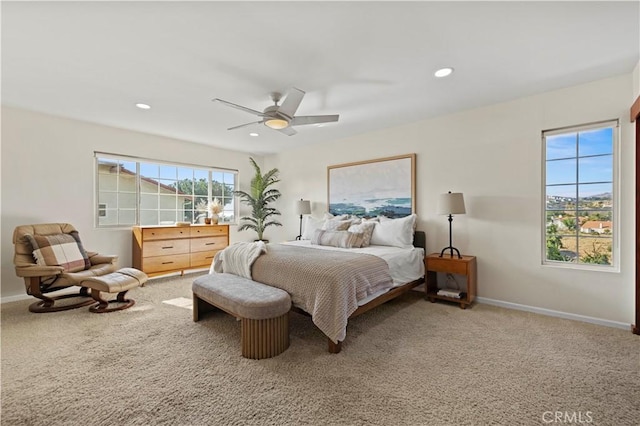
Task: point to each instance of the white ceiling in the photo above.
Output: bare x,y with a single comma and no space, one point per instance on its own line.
370,62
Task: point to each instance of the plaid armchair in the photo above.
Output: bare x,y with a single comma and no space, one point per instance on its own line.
50,257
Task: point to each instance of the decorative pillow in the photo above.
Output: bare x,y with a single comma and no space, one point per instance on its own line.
355,220
309,226
60,250
366,229
336,225
394,232
371,219
344,239
329,216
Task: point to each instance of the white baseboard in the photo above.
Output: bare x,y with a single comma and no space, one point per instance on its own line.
25,296
15,298
552,313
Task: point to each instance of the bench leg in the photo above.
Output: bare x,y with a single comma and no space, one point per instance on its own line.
201,307
265,338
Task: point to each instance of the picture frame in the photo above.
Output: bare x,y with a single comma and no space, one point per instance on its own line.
379,187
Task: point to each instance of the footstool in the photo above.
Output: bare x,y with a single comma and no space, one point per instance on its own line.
119,282
263,311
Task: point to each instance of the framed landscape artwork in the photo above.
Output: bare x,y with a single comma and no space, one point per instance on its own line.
385,186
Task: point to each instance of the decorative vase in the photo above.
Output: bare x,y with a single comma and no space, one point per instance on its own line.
214,218
207,221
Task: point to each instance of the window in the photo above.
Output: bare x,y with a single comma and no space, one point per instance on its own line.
133,191
580,195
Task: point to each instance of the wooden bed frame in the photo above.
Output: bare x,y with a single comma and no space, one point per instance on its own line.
419,240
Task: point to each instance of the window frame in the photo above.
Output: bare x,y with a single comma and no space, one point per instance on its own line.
614,124
101,212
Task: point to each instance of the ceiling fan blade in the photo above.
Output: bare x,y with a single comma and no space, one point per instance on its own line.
240,107
291,102
313,119
289,131
244,125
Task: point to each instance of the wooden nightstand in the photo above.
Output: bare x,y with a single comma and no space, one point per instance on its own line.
451,265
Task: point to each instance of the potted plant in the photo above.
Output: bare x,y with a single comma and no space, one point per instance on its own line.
259,198
214,208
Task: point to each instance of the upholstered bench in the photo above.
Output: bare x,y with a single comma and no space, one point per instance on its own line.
262,309
119,282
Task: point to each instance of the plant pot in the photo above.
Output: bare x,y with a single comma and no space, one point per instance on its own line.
207,220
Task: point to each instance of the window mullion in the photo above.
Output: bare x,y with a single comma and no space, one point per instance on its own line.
577,209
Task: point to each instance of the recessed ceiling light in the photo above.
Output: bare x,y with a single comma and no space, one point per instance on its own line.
143,106
254,134
443,72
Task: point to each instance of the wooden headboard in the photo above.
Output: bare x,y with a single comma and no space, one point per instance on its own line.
420,240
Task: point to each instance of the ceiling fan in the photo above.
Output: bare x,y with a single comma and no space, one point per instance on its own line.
282,117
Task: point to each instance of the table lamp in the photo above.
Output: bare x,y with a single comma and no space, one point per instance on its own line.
450,204
302,207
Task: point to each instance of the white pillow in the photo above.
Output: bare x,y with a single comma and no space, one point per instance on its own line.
394,232
386,219
309,226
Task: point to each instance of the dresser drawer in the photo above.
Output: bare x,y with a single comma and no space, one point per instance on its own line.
165,263
444,265
150,234
165,247
202,258
208,244
208,230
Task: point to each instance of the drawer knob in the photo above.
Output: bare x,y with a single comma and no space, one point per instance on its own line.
166,263
169,247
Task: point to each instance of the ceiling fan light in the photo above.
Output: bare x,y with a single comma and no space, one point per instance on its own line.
276,123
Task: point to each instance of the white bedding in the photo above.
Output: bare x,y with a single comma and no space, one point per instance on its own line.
405,264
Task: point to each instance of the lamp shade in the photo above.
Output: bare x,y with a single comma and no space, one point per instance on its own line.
451,203
303,207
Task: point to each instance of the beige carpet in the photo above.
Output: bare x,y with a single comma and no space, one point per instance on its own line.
409,362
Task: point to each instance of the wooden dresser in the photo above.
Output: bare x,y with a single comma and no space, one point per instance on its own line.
160,250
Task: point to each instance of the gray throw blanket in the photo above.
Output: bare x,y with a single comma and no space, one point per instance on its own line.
326,284
238,258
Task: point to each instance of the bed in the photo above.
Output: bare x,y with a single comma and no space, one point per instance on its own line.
333,284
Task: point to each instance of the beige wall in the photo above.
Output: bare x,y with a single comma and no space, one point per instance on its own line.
636,81
47,176
493,156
